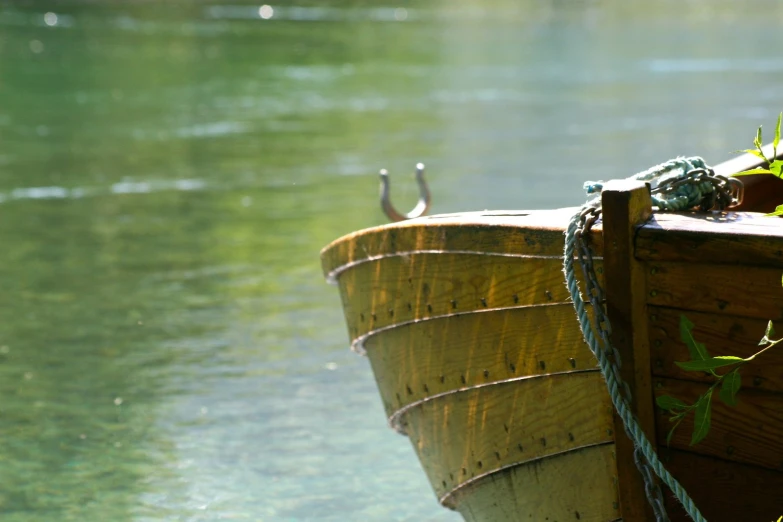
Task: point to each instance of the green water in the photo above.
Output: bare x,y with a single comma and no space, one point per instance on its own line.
168,174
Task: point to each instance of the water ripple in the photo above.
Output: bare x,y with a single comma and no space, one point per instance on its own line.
122,187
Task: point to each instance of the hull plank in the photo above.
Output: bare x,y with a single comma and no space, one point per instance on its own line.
502,232
419,360
577,486
748,432
736,238
725,490
470,433
716,288
722,335
400,289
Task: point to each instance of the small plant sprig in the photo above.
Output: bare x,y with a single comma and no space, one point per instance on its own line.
730,382
774,165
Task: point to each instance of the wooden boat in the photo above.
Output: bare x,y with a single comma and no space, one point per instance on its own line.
479,360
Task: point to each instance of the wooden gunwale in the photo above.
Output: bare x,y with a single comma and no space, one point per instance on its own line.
531,233
747,239
332,276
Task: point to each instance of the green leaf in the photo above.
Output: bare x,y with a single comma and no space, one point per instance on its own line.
778,211
670,403
753,171
697,350
777,136
701,421
776,166
757,140
770,331
752,151
709,364
731,384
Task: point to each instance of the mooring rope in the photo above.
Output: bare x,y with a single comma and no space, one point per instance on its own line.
682,183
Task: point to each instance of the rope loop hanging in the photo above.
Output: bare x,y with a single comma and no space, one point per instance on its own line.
680,184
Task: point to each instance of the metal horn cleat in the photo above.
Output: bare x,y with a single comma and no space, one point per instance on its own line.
424,197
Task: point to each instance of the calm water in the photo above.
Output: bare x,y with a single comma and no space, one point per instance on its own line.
168,349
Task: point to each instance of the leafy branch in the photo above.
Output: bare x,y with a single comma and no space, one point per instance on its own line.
730,382
774,165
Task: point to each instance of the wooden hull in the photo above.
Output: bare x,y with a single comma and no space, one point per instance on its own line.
479,359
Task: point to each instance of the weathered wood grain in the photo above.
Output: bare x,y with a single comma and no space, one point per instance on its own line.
733,238
763,193
396,290
406,286
749,432
724,490
419,360
722,335
626,205
468,433
577,486
721,289
538,232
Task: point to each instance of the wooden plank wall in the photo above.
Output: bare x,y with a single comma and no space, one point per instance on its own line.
723,272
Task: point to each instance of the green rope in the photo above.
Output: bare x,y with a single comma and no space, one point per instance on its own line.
690,190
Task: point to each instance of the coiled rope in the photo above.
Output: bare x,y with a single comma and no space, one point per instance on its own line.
682,183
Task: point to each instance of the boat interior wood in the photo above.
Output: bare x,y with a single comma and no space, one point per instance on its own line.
762,191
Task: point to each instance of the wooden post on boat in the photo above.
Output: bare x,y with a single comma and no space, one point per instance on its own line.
626,205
